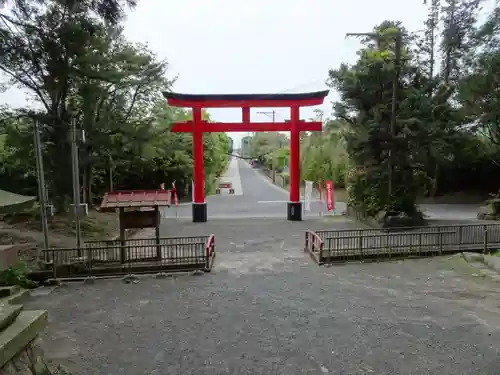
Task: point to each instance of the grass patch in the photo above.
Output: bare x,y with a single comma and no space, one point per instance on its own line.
463,268
16,275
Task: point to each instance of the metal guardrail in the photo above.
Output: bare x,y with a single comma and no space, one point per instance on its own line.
372,244
115,257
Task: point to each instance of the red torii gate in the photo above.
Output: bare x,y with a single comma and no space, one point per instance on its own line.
246,101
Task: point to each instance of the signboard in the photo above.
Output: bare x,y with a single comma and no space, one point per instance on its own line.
329,195
139,219
308,195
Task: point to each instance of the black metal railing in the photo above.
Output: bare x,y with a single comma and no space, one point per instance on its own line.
138,255
361,244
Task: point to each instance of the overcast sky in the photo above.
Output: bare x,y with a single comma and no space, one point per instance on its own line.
256,46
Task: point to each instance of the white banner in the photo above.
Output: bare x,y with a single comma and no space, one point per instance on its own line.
308,195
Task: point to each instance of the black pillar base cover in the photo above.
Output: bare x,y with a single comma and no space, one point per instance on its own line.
200,212
294,211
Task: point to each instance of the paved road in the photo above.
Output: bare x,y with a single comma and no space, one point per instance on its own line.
267,309
255,196
460,212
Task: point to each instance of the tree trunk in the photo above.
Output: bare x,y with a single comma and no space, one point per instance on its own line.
59,166
435,185
87,184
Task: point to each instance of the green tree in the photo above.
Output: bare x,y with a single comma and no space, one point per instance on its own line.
366,89
81,68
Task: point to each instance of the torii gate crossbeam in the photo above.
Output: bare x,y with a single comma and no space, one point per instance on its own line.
246,101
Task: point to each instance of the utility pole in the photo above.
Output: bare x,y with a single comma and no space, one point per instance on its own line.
42,190
270,114
76,184
395,85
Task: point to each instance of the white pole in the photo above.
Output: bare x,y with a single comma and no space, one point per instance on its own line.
320,199
304,204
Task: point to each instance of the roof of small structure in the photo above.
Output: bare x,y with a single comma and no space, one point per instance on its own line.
10,202
136,198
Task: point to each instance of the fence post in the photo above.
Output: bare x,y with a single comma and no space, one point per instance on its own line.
460,237
207,255
387,240
123,234
157,234
419,243
360,244
89,257
321,244
54,264
485,239
440,239
337,240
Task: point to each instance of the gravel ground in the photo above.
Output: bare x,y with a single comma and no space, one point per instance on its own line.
268,309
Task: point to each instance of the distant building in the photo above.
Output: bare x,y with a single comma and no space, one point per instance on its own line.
245,147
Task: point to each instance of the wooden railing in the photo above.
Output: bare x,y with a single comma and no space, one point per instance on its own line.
143,255
365,244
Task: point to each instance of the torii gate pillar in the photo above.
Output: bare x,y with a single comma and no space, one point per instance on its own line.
246,101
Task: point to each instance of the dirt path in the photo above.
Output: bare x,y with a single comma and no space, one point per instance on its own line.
11,233
266,308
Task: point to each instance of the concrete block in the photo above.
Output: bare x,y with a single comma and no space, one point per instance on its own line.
6,291
493,262
20,333
8,313
473,257
8,256
17,298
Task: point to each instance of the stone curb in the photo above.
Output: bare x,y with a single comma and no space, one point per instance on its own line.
492,261
473,257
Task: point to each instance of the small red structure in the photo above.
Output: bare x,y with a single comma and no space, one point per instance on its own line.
129,204
135,198
246,101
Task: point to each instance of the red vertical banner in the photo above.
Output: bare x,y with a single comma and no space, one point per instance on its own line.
329,195
174,194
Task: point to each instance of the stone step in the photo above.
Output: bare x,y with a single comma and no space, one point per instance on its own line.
20,333
6,291
17,298
8,313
